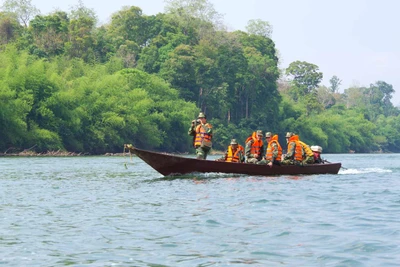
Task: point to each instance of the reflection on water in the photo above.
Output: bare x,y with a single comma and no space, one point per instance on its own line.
93,211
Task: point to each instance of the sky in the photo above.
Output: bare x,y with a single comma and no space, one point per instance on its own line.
356,40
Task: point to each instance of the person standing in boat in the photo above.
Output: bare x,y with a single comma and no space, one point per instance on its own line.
273,156
202,132
235,153
254,147
294,155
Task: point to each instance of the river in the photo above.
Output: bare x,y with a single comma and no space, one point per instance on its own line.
111,211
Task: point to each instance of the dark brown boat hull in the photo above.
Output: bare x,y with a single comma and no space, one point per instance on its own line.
168,164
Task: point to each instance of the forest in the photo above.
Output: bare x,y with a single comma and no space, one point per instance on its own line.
69,84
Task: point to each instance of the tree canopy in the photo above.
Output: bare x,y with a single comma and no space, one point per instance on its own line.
66,83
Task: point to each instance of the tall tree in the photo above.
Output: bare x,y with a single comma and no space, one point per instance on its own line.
81,38
197,15
335,83
306,76
50,33
23,9
259,27
9,28
81,11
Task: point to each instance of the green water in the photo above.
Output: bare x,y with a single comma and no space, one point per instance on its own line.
92,211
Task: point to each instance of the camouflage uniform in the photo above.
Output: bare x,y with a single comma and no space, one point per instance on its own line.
274,155
250,157
308,160
241,157
201,151
240,154
288,159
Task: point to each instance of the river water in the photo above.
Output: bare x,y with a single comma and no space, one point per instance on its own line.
94,211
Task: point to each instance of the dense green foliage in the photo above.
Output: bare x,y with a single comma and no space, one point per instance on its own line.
67,84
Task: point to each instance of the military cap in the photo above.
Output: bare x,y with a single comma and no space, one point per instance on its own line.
268,134
234,142
201,115
289,134
259,132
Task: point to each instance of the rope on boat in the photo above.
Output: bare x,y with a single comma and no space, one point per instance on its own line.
126,146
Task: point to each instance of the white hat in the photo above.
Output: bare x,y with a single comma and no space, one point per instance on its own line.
316,149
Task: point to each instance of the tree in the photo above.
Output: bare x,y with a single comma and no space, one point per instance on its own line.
387,91
335,83
378,96
23,9
130,24
179,70
198,15
49,33
259,27
80,11
306,76
81,38
9,28
325,97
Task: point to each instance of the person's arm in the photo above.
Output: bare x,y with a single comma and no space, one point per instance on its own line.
274,151
262,152
207,128
291,149
192,129
248,149
226,154
241,156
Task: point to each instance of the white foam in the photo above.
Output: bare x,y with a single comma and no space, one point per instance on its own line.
363,170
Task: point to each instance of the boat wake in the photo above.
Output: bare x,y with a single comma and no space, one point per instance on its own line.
363,170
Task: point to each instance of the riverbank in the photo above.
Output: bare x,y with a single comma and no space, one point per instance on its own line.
61,153
56,154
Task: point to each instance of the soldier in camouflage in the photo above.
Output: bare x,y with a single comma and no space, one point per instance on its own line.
201,131
294,151
273,155
254,150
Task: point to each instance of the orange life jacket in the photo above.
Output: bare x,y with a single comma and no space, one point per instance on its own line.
234,157
268,155
307,149
298,152
202,136
256,145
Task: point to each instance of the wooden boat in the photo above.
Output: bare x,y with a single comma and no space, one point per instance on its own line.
168,165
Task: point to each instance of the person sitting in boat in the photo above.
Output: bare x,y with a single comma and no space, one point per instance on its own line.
254,147
294,155
234,153
317,150
202,132
273,156
308,155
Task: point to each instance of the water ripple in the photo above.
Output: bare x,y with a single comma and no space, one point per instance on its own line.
93,211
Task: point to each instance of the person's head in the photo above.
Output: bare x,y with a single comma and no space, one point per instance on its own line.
259,135
234,143
316,149
288,135
268,136
202,117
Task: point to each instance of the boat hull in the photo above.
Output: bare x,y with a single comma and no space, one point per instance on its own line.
168,165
